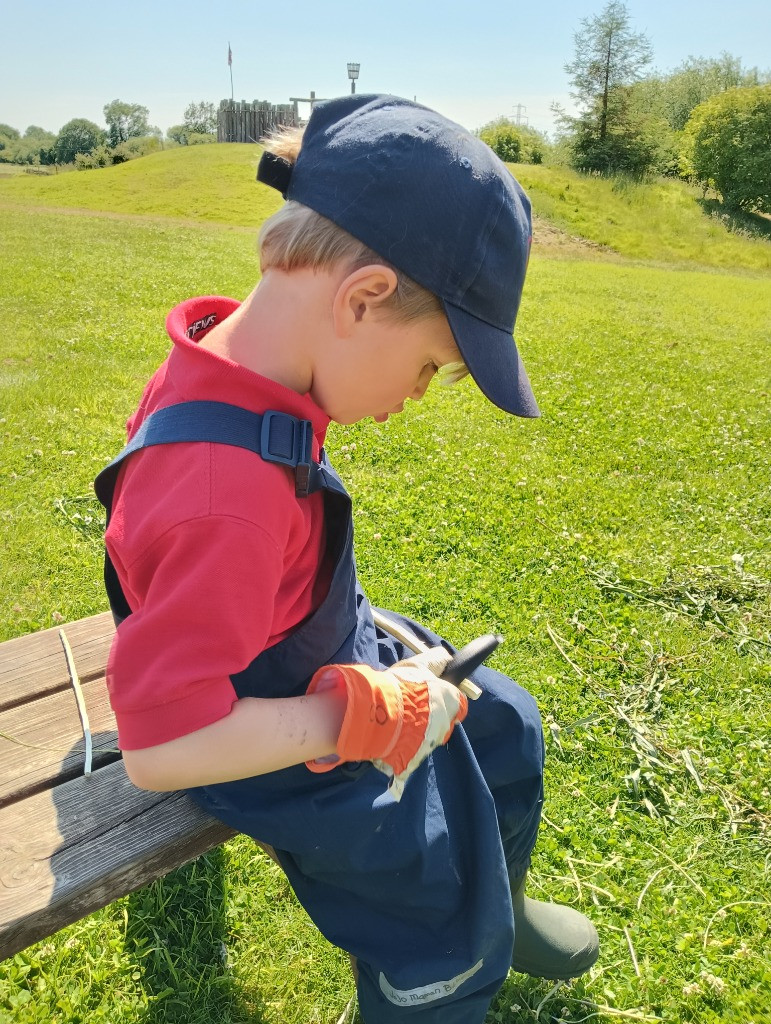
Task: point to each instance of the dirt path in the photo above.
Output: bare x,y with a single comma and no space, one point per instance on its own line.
553,241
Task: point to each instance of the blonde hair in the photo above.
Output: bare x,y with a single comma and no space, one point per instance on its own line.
296,237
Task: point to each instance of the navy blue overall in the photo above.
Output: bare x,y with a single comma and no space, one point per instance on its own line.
418,890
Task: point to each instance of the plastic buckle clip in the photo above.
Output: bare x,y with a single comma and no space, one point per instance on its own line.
302,472
289,441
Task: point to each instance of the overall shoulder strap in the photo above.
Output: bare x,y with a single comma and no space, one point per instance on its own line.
274,436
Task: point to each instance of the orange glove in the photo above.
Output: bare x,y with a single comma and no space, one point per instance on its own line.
394,718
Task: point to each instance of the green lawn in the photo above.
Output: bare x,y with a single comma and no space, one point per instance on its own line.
620,543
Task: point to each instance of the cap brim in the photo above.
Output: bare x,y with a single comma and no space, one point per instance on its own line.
493,360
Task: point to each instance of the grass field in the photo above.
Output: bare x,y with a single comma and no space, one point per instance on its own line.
620,543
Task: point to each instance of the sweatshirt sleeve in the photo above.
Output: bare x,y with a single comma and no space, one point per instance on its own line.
209,587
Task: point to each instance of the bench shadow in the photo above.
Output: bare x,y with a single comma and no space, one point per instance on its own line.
176,928
177,935
739,222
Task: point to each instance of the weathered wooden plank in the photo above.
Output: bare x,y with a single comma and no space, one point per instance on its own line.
42,741
69,851
35,665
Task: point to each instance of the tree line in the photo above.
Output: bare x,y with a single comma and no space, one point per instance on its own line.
708,120
127,134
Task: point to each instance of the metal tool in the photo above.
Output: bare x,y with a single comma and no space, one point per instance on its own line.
469,658
463,663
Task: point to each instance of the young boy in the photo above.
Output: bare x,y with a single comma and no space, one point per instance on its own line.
247,667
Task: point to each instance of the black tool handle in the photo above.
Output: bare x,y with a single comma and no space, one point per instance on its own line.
470,657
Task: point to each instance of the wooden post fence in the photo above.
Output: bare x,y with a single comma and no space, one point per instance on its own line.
239,121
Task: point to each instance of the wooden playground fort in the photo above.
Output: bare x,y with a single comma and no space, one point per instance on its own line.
240,121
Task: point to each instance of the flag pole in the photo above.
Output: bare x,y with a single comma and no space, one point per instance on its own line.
230,65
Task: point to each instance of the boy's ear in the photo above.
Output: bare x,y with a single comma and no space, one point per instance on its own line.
361,295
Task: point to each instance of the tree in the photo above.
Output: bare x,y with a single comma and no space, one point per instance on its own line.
673,95
608,58
698,79
77,136
37,146
668,99
726,145
125,121
200,118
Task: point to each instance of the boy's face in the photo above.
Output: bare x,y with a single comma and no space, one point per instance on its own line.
386,363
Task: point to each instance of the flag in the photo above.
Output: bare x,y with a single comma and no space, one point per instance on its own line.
230,56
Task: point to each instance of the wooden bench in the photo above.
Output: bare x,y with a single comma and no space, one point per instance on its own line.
71,842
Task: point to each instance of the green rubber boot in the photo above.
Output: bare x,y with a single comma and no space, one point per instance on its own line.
550,941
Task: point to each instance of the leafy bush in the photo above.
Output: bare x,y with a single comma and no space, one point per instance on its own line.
177,133
515,143
623,151
104,156
504,140
726,146
100,157
135,147
200,138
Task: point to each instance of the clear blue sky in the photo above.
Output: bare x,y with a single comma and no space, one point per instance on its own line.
473,61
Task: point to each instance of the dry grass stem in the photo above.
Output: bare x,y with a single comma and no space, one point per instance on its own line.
549,995
575,876
349,1013
589,885
728,906
632,953
686,754
678,867
627,1014
551,824
556,641
647,885
80,701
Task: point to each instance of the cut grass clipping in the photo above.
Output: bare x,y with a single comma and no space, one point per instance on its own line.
620,544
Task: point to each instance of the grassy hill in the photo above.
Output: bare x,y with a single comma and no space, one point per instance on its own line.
663,222
213,184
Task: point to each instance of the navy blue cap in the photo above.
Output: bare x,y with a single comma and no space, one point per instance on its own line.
435,202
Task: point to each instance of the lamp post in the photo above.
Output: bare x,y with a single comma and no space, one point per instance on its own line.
353,74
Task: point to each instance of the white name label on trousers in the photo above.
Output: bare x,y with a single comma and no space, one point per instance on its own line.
425,993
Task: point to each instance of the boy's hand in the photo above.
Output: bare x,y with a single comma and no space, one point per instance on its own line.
394,718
